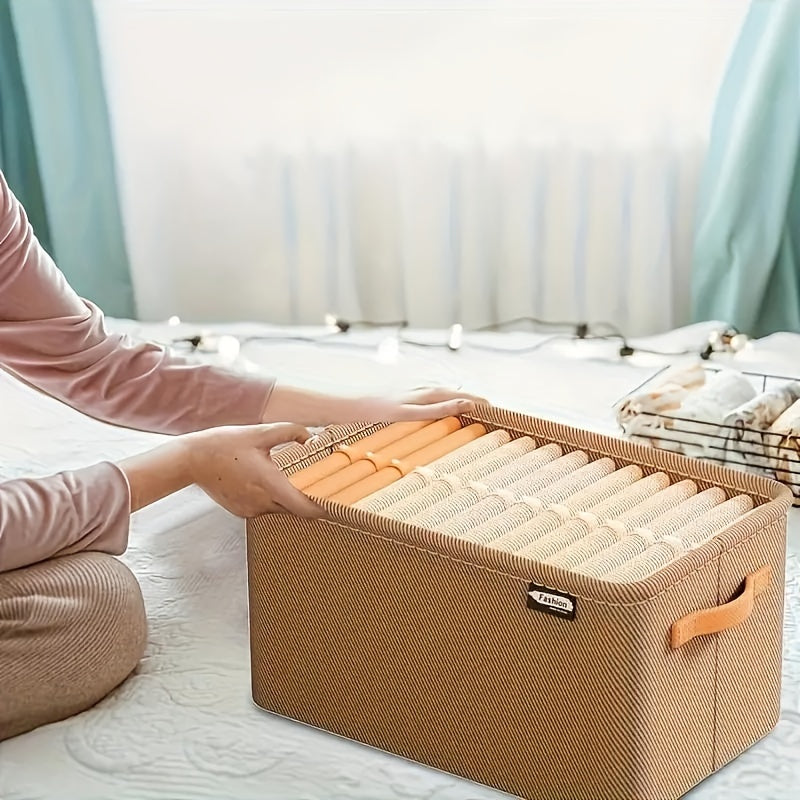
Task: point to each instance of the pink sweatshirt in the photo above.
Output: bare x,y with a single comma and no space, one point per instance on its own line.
57,342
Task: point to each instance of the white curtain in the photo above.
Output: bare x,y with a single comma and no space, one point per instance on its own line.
431,162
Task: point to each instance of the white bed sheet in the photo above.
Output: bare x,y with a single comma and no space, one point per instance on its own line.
184,726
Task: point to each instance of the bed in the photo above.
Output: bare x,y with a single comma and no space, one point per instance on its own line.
184,726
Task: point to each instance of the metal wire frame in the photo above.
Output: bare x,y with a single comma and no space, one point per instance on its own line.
738,446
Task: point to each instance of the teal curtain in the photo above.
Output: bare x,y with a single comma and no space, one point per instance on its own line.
55,144
746,266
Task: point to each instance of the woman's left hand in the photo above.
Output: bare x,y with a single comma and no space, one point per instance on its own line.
314,409
420,404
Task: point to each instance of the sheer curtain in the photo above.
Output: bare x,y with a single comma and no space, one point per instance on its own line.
55,143
747,247
434,162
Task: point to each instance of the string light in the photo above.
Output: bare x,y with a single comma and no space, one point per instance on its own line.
388,350
725,341
728,340
228,348
456,337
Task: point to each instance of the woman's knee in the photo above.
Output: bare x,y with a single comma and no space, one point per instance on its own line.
71,630
113,609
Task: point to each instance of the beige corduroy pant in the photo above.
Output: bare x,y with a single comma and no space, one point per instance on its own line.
71,630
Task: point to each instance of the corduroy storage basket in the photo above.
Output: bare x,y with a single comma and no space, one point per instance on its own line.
425,646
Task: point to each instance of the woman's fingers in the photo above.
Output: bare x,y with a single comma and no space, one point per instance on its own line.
295,502
283,494
448,408
439,394
269,436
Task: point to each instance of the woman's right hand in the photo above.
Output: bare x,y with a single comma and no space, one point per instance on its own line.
232,465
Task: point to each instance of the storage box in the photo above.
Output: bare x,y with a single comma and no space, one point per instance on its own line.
436,649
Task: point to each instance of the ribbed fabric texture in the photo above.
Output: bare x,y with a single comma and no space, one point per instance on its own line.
579,487
440,488
540,538
422,476
469,493
681,516
609,534
661,553
71,629
467,523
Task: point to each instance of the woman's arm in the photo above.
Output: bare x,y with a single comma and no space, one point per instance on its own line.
84,509
89,509
315,409
56,341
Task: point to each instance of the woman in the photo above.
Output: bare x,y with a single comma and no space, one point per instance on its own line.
72,622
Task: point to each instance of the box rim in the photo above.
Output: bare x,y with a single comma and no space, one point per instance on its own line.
775,502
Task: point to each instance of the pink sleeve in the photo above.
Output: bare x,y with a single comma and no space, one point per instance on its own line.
85,509
56,341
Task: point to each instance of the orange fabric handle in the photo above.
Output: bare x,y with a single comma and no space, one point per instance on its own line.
372,462
349,453
721,618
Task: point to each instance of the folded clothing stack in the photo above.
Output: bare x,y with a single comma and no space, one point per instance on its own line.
585,514
722,418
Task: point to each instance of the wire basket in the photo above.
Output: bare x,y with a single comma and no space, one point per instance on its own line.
774,455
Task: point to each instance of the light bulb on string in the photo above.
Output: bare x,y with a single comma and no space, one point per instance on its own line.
228,348
388,350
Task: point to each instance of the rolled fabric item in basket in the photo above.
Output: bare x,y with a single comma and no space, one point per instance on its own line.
445,484
749,421
547,533
784,447
422,476
696,425
473,491
401,467
596,476
640,539
498,501
666,550
765,409
666,391
373,461
654,401
344,455
611,532
689,376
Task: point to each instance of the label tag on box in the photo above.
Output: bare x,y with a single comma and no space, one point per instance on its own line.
551,601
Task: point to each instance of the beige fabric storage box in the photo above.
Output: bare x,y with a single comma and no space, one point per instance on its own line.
442,651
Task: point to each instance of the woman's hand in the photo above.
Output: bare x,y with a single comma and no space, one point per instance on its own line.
419,404
232,465
234,468
313,408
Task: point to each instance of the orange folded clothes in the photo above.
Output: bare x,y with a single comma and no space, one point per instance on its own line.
349,453
401,467
372,461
